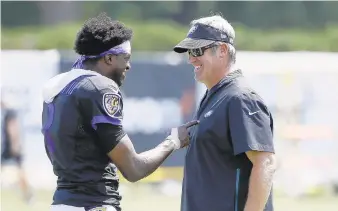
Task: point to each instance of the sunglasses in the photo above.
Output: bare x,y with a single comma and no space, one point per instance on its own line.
200,51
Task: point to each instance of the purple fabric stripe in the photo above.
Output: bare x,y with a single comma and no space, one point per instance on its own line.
51,109
105,119
79,63
50,117
115,51
71,86
50,143
50,114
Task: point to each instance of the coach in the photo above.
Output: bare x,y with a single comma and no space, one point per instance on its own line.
230,161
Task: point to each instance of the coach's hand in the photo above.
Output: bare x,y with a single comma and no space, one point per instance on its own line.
180,135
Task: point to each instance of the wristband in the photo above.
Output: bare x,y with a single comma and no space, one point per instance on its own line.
174,138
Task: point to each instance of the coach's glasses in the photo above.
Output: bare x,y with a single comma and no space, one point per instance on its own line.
200,51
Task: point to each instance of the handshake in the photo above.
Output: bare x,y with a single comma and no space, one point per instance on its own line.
180,135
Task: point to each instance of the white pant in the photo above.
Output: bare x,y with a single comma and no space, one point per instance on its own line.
70,208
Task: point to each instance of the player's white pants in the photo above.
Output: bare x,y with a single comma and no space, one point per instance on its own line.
70,208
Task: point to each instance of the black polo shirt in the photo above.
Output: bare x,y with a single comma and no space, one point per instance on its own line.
233,120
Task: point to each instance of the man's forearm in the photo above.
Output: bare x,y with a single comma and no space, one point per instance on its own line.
260,186
147,162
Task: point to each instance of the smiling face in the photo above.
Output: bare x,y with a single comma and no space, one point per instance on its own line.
210,66
202,66
116,66
122,65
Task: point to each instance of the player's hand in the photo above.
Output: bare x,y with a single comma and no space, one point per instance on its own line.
181,135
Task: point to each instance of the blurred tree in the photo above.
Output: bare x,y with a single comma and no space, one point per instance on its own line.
55,12
123,10
205,8
135,10
315,15
19,13
282,15
187,11
261,14
264,14
162,35
91,9
233,11
331,10
160,9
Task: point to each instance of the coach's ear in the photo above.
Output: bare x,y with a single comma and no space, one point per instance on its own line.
223,50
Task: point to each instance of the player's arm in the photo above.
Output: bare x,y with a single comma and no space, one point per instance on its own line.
135,166
251,132
13,132
105,111
132,165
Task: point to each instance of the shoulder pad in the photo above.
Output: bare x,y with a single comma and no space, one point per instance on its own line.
102,82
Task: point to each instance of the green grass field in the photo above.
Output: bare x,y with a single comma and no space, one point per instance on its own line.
142,197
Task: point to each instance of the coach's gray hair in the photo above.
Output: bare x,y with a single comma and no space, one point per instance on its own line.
220,23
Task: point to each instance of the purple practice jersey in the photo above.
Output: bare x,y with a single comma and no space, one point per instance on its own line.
77,105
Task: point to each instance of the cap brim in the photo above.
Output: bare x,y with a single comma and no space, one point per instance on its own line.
189,43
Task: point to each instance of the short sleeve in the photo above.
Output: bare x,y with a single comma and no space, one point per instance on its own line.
103,110
251,124
103,106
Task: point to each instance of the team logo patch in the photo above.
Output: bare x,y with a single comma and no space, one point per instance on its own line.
111,103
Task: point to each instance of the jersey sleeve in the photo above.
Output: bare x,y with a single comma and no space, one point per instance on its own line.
102,104
107,107
251,124
103,110
109,136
